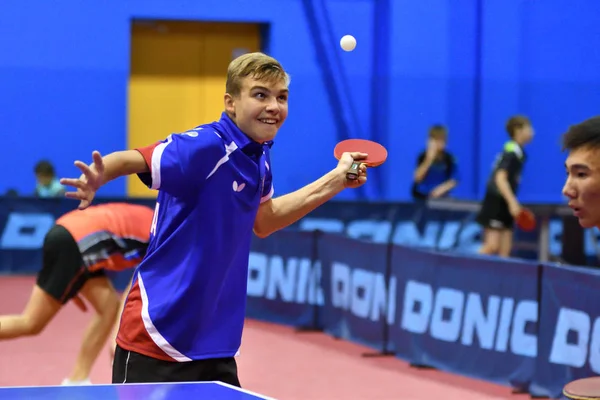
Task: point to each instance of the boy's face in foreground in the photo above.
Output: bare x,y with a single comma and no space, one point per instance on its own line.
260,109
582,186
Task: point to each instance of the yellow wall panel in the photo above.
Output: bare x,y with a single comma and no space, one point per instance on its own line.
178,78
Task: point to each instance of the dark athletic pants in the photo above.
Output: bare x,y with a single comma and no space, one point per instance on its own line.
132,367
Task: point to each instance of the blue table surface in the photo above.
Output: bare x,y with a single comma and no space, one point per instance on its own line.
150,391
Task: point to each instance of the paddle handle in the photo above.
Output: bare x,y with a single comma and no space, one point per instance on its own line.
352,173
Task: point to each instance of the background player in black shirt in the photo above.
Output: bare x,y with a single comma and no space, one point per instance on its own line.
500,205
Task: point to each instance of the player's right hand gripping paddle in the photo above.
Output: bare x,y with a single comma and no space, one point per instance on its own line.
377,154
526,220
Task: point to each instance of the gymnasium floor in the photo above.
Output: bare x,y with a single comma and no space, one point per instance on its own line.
275,361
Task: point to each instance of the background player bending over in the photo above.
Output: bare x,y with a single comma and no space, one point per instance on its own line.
77,250
184,315
582,186
500,205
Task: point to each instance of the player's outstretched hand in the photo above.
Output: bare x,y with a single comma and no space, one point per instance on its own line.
344,165
88,183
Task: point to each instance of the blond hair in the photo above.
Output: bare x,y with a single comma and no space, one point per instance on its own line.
258,66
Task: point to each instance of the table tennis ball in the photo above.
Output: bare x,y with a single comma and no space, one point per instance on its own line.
348,43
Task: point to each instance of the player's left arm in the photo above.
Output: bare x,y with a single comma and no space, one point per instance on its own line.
277,213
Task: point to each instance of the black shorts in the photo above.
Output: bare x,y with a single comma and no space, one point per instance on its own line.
132,367
63,272
494,213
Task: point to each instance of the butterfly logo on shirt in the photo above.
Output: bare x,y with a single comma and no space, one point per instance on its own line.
238,187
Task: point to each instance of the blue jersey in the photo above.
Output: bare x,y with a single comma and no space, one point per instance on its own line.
441,170
188,296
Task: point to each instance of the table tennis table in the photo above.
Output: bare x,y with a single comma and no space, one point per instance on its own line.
132,391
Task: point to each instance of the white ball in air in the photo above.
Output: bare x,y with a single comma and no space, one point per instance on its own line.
348,42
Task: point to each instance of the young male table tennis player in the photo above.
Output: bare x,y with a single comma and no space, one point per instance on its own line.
184,314
77,251
436,173
582,186
500,206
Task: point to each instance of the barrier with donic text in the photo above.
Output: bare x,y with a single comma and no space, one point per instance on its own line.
359,299
570,323
23,226
411,224
284,280
475,316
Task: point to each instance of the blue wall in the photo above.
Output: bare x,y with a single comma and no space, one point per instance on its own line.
64,68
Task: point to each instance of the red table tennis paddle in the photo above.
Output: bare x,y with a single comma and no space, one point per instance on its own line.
526,220
377,154
583,389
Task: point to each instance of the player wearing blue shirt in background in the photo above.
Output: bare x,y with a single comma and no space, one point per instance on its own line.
437,172
185,311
